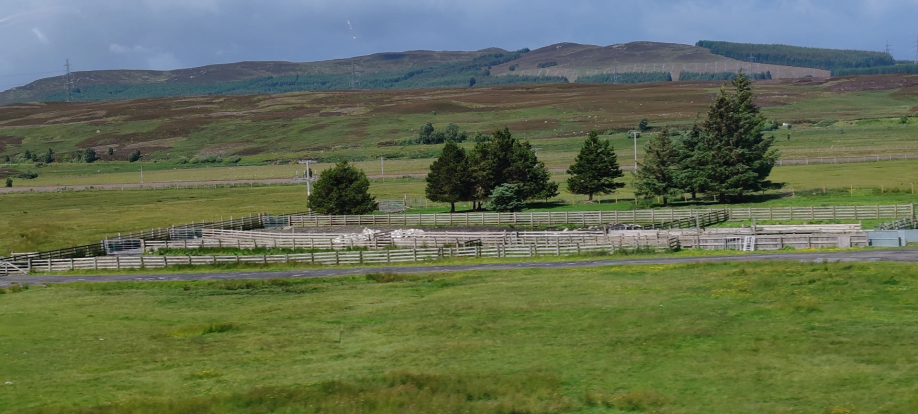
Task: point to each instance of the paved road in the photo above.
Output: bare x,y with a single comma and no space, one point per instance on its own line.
900,255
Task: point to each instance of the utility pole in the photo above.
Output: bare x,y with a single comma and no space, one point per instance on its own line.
68,82
141,174
308,179
382,168
751,62
635,135
888,48
916,52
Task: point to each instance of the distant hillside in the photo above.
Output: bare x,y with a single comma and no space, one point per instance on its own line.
809,57
41,89
563,62
573,60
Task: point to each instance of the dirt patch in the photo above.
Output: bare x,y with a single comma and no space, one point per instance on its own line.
253,150
7,141
292,113
440,107
167,143
873,83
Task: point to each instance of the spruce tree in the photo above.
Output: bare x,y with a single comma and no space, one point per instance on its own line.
507,160
657,175
735,156
342,190
690,163
449,179
595,169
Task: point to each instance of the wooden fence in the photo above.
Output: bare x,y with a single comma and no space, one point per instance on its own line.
318,258
845,159
774,241
595,218
332,241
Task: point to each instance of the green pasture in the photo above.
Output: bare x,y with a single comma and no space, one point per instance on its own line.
41,221
702,338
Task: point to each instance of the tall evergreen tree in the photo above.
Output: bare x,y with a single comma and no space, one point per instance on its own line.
657,175
450,179
736,157
341,190
595,169
507,160
690,163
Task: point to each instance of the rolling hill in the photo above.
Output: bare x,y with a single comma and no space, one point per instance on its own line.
562,62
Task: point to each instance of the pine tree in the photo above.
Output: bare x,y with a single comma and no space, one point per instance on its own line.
595,168
342,190
656,176
449,179
735,156
507,160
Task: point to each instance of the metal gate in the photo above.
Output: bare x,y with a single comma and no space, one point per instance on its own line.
123,246
273,222
733,243
184,233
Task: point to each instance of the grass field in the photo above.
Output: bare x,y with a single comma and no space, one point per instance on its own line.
42,221
755,337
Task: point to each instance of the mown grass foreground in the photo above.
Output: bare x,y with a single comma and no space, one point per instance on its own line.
703,338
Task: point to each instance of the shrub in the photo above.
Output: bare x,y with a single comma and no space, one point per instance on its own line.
903,120
27,175
826,122
9,182
234,160
111,151
134,156
89,156
505,197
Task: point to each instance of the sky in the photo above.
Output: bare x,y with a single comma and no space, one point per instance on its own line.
36,36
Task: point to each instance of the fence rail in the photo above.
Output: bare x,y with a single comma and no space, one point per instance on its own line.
321,258
583,218
845,159
595,218
774,241
332,241
908,223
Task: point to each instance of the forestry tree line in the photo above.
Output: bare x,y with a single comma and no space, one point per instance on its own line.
725,156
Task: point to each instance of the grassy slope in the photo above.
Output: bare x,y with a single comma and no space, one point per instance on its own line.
335,125
691,339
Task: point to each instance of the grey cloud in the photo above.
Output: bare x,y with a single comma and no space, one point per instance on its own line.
165,34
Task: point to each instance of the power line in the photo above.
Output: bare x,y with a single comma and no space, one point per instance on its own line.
30,74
